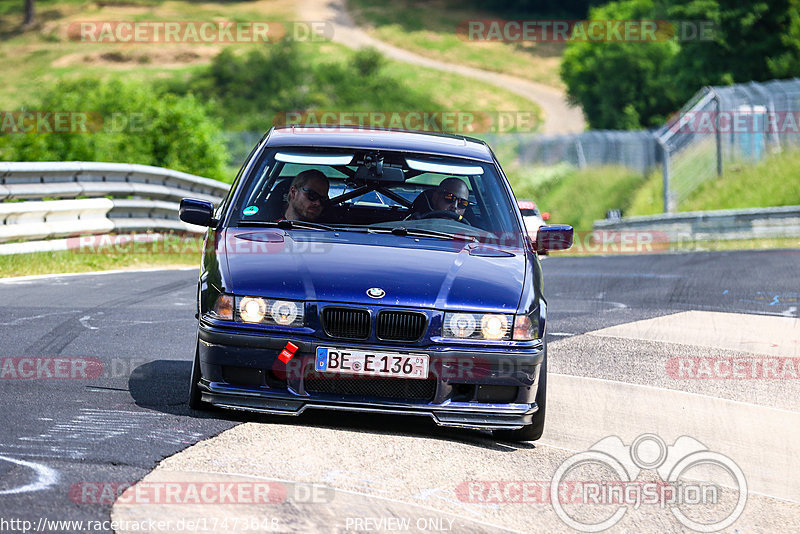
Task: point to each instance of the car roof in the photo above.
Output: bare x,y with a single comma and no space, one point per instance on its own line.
526,204
356,137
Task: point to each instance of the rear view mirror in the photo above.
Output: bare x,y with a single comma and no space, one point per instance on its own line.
554,237
197,212
379,173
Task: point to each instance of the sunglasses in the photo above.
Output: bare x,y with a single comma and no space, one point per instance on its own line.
462,202
313,196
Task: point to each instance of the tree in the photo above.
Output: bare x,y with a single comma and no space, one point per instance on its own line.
752,41
619,84
137,125
638,84
30,12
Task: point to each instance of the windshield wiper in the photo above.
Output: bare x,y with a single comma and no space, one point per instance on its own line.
403,231
286,224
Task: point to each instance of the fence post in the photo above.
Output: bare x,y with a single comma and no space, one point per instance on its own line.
668,207
718,133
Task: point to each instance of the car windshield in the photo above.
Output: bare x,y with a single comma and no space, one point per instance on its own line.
388,192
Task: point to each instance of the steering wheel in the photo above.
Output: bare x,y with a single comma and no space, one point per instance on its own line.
444,214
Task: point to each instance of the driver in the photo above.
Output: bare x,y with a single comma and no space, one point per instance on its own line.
451,195
307,196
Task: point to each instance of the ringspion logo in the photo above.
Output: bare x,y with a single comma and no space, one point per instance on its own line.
704,490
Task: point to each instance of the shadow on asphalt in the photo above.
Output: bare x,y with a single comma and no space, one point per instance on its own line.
163,385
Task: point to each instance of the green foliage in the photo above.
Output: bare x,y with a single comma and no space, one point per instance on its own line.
638,84
752,41
621,85
251,91
565,8
136,125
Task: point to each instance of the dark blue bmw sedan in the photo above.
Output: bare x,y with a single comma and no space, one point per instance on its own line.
375,271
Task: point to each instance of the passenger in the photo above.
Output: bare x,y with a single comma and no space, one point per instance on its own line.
307,196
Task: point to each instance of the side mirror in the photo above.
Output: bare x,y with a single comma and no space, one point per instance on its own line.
197,212
546,216
554,237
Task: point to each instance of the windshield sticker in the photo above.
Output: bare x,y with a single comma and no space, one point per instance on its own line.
250,210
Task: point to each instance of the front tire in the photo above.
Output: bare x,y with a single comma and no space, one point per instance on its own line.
195,396
533,431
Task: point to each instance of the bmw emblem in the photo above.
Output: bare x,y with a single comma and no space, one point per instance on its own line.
376,292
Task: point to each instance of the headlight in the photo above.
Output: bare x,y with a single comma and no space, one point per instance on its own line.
461,325
487,326
270,311
284,312
252,310
494,326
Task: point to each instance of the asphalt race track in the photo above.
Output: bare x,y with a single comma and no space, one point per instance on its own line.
94,371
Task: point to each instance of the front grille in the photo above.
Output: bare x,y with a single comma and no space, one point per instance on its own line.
401,325
348,323
381,388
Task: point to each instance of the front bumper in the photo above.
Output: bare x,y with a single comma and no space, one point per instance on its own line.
476,388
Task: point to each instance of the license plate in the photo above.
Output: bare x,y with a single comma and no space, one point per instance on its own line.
361,362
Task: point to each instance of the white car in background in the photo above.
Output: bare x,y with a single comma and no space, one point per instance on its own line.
532,217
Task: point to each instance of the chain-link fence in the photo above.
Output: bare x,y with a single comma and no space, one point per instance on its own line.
718,126
637,150
724,125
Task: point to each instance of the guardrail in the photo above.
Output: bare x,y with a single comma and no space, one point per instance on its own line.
711,225
62,199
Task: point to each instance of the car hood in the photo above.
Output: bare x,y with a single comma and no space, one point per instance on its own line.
428,273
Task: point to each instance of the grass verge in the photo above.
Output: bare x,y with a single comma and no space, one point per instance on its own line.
770,182
176,252
573,196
